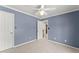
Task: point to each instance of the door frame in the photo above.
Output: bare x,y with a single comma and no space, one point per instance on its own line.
40,27
11,29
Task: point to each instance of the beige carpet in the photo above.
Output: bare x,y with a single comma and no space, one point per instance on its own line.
41,46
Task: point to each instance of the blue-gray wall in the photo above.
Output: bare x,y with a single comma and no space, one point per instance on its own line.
65,27
25,26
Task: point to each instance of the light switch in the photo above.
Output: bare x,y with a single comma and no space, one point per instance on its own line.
15,27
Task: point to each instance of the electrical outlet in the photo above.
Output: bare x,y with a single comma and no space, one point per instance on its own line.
54,38
65,41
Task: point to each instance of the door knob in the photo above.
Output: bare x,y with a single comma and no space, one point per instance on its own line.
11,32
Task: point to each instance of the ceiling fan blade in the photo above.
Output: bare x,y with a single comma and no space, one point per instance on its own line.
38,6
42,6
49,9
36,9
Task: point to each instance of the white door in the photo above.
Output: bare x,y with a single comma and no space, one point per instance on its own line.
6,30
43,29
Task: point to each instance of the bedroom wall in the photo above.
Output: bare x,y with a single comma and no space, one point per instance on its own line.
25,26
64,28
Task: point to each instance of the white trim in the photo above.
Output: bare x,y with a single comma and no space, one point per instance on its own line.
63,44
24,43
20,11
60,13
13,28
37,16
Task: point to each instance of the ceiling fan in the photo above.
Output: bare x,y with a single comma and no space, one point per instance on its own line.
41,11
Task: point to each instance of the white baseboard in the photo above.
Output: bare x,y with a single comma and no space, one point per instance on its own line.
24,43
63,44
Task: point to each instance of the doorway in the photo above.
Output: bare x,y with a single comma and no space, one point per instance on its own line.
43,29
6,30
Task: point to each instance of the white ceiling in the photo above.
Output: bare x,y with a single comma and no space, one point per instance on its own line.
60,9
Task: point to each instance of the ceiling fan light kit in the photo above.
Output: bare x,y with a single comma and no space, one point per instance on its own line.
42,10
41,13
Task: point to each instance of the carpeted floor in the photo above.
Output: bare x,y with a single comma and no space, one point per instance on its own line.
41,46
